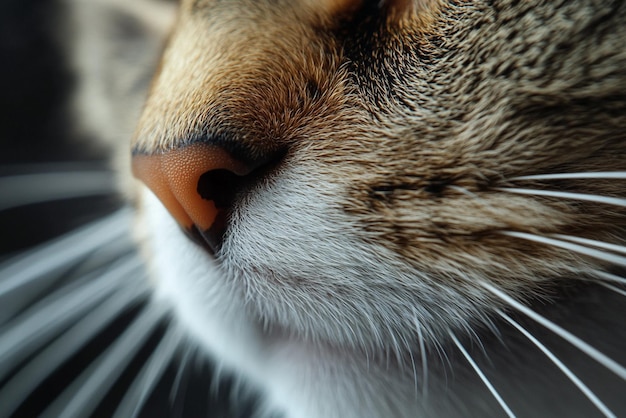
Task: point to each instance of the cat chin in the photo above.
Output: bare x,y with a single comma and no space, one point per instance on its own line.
293,374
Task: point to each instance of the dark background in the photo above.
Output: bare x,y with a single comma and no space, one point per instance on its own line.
37,135
36,132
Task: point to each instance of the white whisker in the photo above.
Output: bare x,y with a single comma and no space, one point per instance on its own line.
613,288
44,321
619,175
570,375
39,267
395,347
443,358
423,357
610,277
17,389
414,370
95,263
592,352
590,242
182,367
616,201
601,255
26,189
149,375
482,376
81,397
216,378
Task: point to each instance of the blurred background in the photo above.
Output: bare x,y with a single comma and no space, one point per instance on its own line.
37,134
73,75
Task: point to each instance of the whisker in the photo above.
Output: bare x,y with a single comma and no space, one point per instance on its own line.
592,352
38,290
482,376
613,288
82,396
182,367
617,201
443,358
395,347
44,321
414,370
570,375
37,268
619,175
407,347
24,382
423,358
150,374
216,378
601,255
26,189
610,277
599,244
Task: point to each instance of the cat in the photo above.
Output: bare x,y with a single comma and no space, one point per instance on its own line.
382,208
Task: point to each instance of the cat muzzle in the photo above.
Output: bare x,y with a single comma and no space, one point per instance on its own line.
197,184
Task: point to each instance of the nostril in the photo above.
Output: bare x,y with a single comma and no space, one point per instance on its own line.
197,184
219,186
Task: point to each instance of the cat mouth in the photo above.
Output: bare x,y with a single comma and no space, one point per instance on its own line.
211,239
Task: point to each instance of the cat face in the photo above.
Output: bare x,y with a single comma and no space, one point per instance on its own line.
354,170
357,209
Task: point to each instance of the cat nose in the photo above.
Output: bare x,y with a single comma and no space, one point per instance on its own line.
197,184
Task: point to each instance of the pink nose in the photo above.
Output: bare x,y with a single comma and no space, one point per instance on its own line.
192,183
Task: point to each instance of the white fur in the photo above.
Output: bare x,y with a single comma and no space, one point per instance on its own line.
273,309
